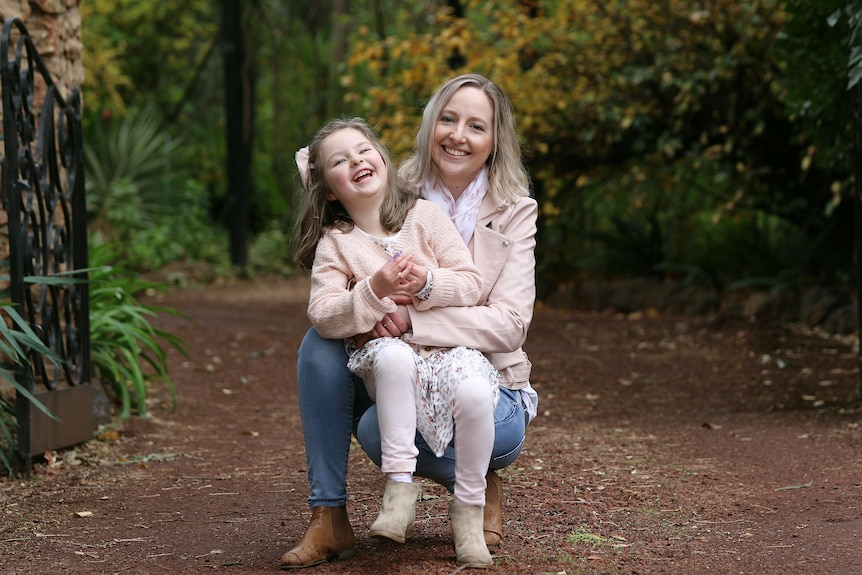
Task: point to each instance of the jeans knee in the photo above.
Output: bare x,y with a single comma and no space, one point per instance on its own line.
505,459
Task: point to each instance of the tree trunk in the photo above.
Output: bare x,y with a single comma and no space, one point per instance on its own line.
239,91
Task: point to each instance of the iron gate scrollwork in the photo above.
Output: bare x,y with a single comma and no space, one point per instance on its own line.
44,199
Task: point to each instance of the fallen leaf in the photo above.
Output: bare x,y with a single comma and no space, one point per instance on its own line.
788,487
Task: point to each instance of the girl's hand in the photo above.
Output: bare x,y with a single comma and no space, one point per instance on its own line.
415,278
398,275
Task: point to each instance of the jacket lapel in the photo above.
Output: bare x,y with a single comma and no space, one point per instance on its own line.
490,247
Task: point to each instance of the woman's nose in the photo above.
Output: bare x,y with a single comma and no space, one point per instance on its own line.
457,134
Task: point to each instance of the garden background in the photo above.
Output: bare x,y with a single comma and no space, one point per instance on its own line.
691,160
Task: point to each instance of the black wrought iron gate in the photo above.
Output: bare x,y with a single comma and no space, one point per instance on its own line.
43,197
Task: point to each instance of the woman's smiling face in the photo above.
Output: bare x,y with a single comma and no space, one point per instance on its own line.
463,138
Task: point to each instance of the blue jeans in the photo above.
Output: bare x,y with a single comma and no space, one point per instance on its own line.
331,403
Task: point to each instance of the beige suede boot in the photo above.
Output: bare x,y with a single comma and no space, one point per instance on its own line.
398,512
470,548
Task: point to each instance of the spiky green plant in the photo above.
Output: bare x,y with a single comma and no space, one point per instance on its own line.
126,351
15,340
130,173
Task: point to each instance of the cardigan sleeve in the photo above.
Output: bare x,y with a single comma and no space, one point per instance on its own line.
456,279
337,309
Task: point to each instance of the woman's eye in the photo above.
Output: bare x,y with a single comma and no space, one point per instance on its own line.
478,127
447,119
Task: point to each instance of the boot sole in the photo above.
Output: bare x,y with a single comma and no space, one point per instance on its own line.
475,565
347,553
397,537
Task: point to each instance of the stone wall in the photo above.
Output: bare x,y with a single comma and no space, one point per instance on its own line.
55,26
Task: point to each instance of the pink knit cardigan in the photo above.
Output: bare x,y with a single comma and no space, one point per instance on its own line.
342,303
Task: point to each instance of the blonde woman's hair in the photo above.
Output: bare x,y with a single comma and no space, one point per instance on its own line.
316,214
507,176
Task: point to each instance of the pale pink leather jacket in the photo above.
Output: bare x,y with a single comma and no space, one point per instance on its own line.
503,248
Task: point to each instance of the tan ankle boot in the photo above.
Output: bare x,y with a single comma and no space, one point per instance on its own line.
493,526
328,537
398,512
470,548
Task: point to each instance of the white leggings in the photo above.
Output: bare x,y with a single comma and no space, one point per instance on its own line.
391,385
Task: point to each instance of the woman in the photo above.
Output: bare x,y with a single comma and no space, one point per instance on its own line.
467,160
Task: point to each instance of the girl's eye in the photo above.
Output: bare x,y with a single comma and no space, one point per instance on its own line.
363,150
338,161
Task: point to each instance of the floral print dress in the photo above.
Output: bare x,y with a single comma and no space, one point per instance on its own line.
438,377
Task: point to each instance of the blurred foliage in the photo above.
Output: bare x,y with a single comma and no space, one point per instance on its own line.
130,177
137,198
648,128
702,140
144,48
815,42
158,59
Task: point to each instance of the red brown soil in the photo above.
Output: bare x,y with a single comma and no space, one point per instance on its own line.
664,445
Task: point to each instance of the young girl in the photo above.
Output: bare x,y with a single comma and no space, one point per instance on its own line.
365,241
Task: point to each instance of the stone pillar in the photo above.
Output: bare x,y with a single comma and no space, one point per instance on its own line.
55,26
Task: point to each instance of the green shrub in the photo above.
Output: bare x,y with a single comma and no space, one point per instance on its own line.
126,351
270,253
184,232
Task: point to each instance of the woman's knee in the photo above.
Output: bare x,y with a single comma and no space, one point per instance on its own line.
320,359
509,429
505,454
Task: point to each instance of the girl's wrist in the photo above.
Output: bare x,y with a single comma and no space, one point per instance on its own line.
425,292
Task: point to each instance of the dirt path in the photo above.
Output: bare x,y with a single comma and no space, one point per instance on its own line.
664,445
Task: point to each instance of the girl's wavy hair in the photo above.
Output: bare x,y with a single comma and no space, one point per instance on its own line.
507,176
316,214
